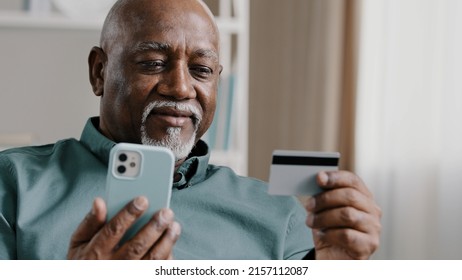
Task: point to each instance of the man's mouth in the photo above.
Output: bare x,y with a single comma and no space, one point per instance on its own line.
172,117
172,114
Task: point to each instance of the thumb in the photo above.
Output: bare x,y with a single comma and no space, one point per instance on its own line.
91,224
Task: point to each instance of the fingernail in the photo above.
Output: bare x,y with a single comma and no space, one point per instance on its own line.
165,216
95,205
140,203
323,178
310,204
175,230
309,219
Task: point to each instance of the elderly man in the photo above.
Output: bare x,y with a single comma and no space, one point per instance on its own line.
156,73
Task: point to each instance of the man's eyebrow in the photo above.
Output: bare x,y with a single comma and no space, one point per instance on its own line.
207,53
158,46
152,46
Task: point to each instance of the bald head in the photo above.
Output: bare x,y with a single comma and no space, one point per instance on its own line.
126,16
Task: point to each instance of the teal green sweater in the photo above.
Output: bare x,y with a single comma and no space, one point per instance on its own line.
46,191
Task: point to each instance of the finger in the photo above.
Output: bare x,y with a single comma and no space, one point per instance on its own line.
91,224
140,244
341,179
162,250
340,198
356,244
113,231
345,217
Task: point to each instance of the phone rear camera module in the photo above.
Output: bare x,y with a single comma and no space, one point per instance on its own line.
121,169
126,164
123,157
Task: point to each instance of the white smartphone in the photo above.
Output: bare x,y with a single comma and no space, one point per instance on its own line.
139,170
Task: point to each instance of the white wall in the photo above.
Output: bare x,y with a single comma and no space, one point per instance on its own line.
11,4
44,87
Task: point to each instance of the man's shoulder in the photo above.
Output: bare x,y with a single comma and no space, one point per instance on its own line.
35,152
26,165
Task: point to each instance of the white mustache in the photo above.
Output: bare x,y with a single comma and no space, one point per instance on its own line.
196,113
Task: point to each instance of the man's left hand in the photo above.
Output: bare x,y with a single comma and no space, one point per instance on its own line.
345,218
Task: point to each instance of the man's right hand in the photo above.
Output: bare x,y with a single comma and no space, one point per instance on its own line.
96,239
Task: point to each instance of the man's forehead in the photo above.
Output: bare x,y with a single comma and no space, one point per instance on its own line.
157,16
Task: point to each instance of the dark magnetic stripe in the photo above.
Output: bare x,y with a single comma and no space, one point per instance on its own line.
300,160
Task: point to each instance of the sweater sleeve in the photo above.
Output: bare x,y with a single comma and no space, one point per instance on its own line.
7,210
299,239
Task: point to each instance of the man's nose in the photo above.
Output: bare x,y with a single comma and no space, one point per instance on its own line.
176,83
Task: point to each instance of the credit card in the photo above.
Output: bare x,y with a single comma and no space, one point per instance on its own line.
294,172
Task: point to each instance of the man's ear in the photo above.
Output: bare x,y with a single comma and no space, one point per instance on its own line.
96,63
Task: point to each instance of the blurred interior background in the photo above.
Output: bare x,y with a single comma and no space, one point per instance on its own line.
376,80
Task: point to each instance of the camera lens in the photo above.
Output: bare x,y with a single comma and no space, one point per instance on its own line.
123,157
121,169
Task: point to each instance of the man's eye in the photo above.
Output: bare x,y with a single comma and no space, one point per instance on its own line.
202,71
152,64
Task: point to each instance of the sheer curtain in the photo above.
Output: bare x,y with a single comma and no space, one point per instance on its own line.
409,124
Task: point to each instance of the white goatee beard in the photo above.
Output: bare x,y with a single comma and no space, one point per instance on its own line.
172,140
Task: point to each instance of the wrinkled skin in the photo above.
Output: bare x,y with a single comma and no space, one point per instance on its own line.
345,218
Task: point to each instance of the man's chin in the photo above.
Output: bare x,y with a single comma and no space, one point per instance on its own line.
180,149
